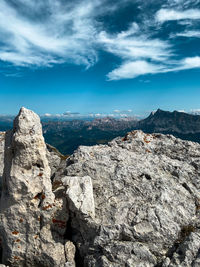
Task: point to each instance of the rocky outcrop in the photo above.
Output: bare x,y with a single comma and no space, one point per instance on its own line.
147,198
30,230
134,202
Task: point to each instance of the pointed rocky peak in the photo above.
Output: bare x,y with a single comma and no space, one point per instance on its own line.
27,122
25,157
33,215
159,112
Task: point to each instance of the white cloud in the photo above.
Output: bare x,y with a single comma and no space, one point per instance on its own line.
129,70
141,55
195,111
171,14
123,115
190,63
67,34
136,47
56,32
189,34
181,110
43,33
47,115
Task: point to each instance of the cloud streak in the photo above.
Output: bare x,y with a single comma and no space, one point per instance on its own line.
171,14
130,70
67,34
188,34
57,32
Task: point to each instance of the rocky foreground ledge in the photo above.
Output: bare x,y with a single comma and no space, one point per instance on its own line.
134,202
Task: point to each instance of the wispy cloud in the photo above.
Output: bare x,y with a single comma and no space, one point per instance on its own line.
57,32
129,70
131,44
143,55
171,14
140,53
66,34
188,34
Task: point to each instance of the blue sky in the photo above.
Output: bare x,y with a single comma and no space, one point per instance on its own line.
93,56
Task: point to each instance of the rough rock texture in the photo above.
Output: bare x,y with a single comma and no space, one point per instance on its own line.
132,203
55,158
80,195
30,230
2,138
147,202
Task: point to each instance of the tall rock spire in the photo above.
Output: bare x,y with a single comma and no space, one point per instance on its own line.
28,205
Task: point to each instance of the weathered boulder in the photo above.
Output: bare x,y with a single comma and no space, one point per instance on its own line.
31,233
147,201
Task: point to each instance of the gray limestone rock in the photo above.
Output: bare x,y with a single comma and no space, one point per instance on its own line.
147,191
32,219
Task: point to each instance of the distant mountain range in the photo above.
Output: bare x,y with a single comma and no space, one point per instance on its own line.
180,124
171,122
68,135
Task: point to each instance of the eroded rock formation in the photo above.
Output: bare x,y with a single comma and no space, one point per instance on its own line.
147,198
31,230
134,202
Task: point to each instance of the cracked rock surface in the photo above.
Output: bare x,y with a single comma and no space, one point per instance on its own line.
132,203
147,201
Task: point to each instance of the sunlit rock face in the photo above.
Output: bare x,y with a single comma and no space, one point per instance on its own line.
147,197
30,235
134,202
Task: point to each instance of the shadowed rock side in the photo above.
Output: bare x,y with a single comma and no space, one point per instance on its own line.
134,202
